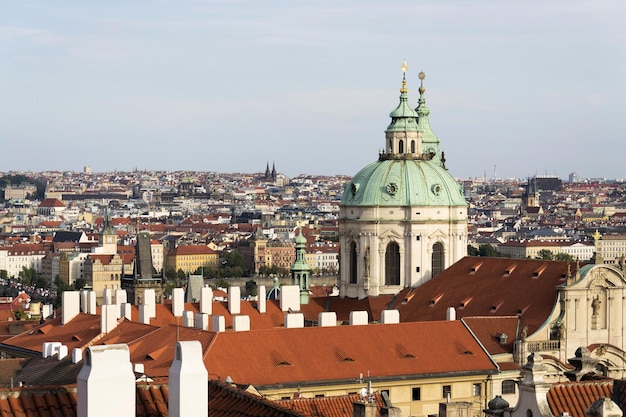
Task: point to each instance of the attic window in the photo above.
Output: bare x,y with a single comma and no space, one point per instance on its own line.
475,268
343,357
408,356
435,299
522,310
509,270
496,306
464,302
279,360
539,271
76,338
468,352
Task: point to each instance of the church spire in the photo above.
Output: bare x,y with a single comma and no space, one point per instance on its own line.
402,136
430,141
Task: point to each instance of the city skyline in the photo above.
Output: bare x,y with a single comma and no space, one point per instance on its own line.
229,86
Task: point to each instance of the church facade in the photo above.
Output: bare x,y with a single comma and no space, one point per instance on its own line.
403,218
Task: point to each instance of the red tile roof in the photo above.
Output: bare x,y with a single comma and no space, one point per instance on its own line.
490,329
339,406
151,401
576,397
477,286
312,354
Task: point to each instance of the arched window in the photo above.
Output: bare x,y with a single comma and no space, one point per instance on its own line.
390,146
392,264
401,147
353,263
437,259
412,146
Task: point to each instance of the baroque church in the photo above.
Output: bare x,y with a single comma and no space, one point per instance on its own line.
402,218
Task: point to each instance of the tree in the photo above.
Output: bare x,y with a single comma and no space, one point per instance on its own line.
563,257
79,284
20,315
180,274
472,251
170,274
251,287
488,250
234,259
545,254
221,283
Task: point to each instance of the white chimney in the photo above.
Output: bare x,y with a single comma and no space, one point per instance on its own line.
450,314
390,317
77,355
241,323
49,348
84,306
146,312
126,311
290,298
106,383
46,310
91,302
139,368
202,321
358,318
218,324
107,296
71,305
327,319
261,302
294,320
188,382
61,352
120,297
188,318
234,300
109,314
206,300
149,297
178,302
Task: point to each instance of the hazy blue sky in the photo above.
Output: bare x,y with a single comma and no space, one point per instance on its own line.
529,86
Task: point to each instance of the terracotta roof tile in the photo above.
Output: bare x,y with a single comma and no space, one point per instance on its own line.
576,397
511,285
489,331
339,406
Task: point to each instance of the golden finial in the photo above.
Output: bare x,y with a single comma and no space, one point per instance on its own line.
404,67
421,76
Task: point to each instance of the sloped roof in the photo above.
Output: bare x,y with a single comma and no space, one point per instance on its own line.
576,397
151,401
478,286
338,406
314,354
489,330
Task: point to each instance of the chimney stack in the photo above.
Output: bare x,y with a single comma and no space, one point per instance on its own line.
450,314
77,355
106,383
107,296
241,323
234,300
218,324
188,318
71,305
262,301
327,319
390,317
91,302
61,352
126,311
294,320
290,298
206,300
178,302
188,382
358,318
120,297
109,314
202,321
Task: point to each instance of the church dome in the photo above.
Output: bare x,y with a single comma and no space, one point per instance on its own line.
403,182
407,173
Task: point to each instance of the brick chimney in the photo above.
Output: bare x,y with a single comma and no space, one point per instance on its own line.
294,320
106,383
206,300
261,306
188,382
390,317
241,323
358,318
327,319
290,298
109,314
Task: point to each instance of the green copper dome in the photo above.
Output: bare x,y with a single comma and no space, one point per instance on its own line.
403,182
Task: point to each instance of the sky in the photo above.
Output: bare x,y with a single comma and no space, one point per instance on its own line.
515,88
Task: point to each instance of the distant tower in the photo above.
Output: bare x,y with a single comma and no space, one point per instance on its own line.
531,197
273,171
300,270
267,171
108,239
144,277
